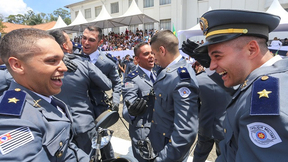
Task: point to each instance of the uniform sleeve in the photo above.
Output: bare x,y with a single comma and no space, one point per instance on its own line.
99,78
130,90
185,97
116,83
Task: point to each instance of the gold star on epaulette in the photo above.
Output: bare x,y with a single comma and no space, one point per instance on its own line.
14,100
183,71
36,103
264,93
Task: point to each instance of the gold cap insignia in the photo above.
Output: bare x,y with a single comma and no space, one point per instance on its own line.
204,25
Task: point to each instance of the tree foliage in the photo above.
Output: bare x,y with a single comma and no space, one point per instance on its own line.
31,18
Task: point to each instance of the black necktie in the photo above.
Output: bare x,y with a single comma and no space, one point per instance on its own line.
53,102
151,77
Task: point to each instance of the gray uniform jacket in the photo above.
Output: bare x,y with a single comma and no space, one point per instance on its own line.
214,101
109,68
74,92
34,130
256,122
130,66
138,85
175,123
5,80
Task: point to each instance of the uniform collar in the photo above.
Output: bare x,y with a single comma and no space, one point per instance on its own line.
94,56
147,72
175,61
272,61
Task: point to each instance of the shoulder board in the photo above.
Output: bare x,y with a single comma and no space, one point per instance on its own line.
110,57
3,67
71,56
183,73
12,102
133,74
265,96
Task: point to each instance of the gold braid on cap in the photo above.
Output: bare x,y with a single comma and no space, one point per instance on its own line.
203,25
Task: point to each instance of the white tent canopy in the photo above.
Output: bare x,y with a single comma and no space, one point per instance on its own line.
276,9
77,25
103,20
133,16
59,24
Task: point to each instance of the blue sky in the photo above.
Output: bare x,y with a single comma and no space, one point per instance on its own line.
13,7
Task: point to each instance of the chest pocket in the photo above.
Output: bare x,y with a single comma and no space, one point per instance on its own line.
230,144
161,98
58,143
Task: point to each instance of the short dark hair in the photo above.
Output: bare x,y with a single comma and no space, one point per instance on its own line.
21,43
167,39
59,36
97,29
139,45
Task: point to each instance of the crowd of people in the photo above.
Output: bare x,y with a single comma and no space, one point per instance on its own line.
124,41
232,96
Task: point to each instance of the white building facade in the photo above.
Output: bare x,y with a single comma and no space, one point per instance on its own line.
182,14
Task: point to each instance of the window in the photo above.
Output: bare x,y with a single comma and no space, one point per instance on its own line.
163,2
98,10
133,28
76,13
148,26
165,24
130,1
148,3
114,7
88,13
116,30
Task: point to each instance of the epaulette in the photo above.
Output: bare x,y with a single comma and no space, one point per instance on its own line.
183,73
71,56
12,102
110,57
265,96
133,74
3,67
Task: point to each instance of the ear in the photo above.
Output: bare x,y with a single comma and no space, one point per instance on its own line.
253,48
16,65
162,50
137,58
65,46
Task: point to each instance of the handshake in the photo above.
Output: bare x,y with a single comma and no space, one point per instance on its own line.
137,108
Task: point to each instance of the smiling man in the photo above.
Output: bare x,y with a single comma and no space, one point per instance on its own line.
256,122
35,126
137,90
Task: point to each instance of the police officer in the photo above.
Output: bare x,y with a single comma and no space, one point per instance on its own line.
174,125
139,85
74,92
35,126
255,126
91,39
213,103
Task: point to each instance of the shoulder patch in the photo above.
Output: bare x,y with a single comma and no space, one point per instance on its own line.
133,74
263,135
184,92
12,102
110,57
265,96
14,139
183,73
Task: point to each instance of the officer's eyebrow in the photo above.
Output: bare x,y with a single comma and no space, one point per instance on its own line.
214,52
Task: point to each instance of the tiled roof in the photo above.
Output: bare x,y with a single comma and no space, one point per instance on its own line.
11,26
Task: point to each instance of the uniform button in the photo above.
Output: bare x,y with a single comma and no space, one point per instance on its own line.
61,144
153,109
155,98
152,121
59,154
264,77
170,140
101,100
225,130
142,125
160,95
163,134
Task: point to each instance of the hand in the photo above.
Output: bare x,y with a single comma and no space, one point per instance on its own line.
188,48
71,66
137,108
115,107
